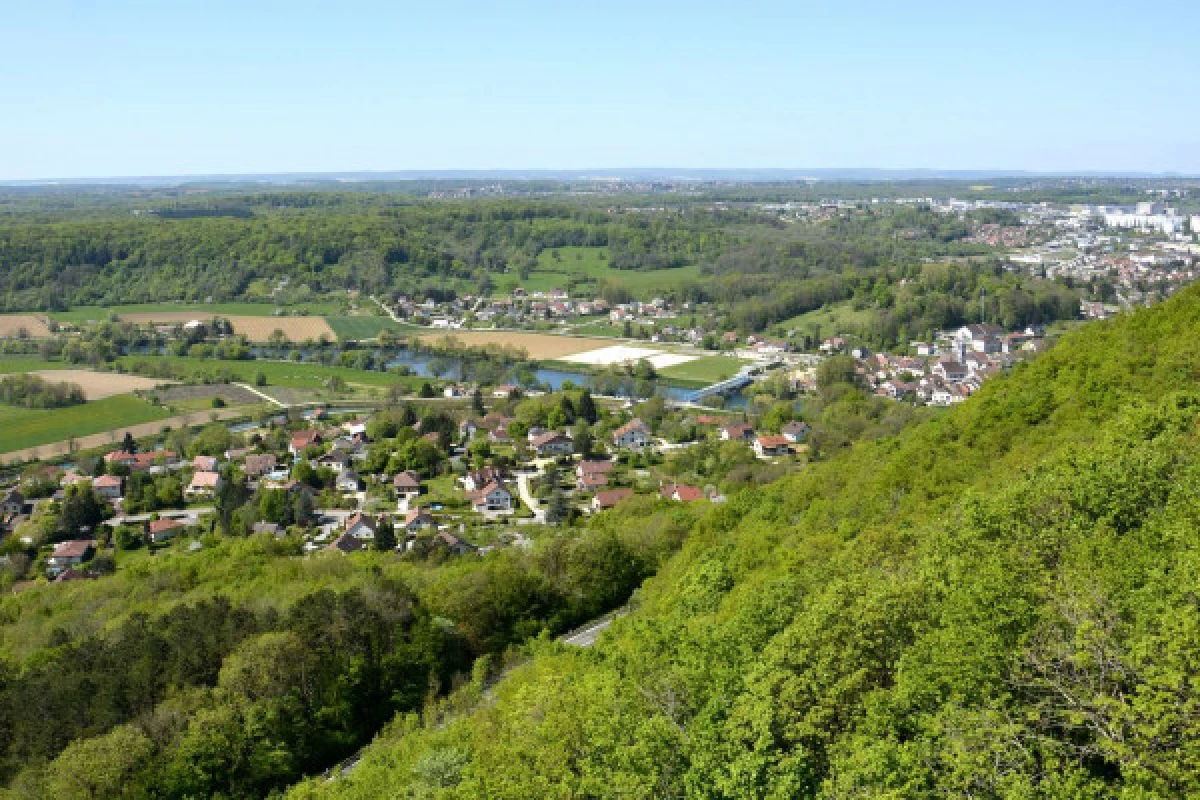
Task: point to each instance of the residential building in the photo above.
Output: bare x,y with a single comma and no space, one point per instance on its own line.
71,553
632,435
203,485
553,443
492,497
610,497
108,486
766,446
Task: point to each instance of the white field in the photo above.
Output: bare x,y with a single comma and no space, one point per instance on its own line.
622,354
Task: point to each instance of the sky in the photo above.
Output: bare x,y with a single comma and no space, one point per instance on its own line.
110,88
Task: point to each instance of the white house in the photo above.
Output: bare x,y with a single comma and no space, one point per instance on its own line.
633,434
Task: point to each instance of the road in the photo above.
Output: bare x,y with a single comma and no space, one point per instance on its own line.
388,311
539,514
587,635
193,514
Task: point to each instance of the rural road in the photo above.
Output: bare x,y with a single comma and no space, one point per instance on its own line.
586,636
539,514
113,437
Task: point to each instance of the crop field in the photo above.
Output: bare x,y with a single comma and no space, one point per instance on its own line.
22,427
231,394
365,327
571,266
83,314
99,385
12,325
628,354
538,346
256,329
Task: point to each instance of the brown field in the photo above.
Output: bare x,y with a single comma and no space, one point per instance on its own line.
98,385
538,346
12,325
256,329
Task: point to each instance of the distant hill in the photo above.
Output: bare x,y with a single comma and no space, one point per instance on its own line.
1000,602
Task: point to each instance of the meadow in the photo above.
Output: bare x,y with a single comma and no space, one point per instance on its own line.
830,320
564,267
705,371
365,327
292,375
23,427
82,314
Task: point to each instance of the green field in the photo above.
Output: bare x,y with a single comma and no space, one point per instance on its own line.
19,364
585,268
84,314
365,327
23,427
280,373
840,318
706,370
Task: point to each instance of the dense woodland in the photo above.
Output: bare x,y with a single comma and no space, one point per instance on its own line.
998,602
897,261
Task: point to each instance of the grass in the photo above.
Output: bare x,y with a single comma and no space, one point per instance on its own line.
599,329
19,364
365,327
84,314
572,266
292,375
840,318
707,370
22,427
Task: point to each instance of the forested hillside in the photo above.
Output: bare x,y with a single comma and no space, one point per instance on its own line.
999,602
290,247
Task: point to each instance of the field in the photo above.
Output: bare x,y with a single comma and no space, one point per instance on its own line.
21,427
256,329
26,364
85,314
539,346
365,327
563,266
706,369
11,325
99,385
626,354
831,320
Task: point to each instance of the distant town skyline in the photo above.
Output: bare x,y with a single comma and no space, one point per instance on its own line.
133,88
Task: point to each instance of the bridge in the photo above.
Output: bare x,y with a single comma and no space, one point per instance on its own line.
739,381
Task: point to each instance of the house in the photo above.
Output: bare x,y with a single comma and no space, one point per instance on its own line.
361,526
504,391
765,446
136,462
795,431
407,484
602,467
348,481
266,527
492,497
13,502
591,481
553,443
302,440
204,464
203,484
108,486
476,479
950,371
71,553
737,433
633,434
467,429
456,544
609,498
259,465
335,459
682,494
416,519
348,544
160,530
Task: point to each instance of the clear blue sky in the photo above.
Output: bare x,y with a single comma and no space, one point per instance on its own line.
169,87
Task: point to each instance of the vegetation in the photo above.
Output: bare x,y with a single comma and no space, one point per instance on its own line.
998,602
21,427
34,391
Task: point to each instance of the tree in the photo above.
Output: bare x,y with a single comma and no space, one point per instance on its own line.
557,509
260,379
587,407
477,402
425,391
102,766
385,535
128,445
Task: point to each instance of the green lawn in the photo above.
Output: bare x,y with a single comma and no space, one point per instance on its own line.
365,327
23,427
599,329
280,373
84,314
707,370
585,268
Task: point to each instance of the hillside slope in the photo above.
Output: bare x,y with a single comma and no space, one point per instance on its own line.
1000,602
